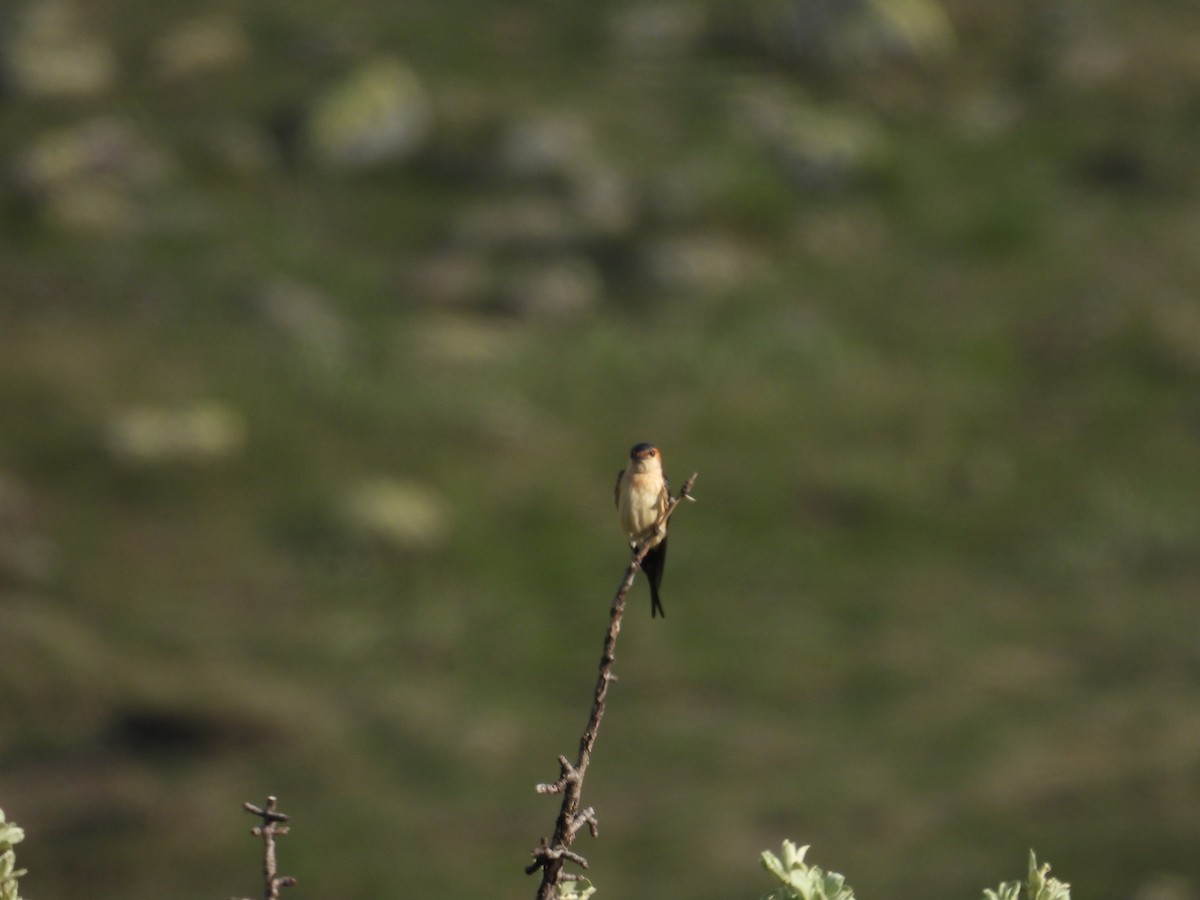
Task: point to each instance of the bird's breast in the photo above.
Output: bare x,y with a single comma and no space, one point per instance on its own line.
641,502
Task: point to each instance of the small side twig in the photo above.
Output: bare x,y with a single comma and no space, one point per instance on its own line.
271,828
551,855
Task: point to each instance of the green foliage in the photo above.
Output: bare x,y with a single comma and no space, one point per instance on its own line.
10,835
801,881
578,889
1037,886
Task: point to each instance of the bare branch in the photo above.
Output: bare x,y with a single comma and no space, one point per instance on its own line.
551,855
271,828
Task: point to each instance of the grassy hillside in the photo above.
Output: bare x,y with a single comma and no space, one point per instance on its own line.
324,330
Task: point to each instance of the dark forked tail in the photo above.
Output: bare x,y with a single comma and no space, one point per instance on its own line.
653,564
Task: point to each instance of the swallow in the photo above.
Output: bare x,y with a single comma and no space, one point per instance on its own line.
642,494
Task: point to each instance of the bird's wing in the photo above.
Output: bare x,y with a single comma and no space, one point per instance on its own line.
665,497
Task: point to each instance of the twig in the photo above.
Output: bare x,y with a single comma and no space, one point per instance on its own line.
550,856
271,828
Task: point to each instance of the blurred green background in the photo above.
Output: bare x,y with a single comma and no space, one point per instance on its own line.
325,328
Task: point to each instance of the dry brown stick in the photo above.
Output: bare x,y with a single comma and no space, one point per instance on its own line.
550,856
271,828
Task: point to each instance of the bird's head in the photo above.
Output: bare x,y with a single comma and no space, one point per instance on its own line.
645,457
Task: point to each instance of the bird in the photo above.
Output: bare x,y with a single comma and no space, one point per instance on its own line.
642,494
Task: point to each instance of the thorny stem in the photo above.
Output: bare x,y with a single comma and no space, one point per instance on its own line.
271,828
549,857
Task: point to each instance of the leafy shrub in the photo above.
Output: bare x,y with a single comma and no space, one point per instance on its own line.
10,835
